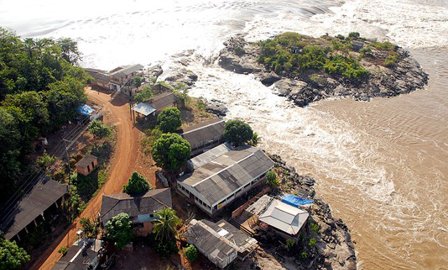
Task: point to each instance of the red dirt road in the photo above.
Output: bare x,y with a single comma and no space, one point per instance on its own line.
127,158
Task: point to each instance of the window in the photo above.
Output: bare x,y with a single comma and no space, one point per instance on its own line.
93,164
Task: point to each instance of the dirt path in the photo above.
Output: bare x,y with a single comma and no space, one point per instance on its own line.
127,158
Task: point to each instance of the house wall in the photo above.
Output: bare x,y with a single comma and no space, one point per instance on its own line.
143,229
214,209
199,148
85,171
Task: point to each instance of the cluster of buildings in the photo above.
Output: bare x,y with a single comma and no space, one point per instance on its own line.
218,174
119,79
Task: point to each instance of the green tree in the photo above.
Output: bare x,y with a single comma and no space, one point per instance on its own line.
119,230
45,160
272,179
137,81
171,151
144,95
165,225
191,252
169,120
137,184
70,51
11,255
237,132
99,130
182,94
255,140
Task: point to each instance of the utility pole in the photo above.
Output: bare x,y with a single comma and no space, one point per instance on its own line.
68,159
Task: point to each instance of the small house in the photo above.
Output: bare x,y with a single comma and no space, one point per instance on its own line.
222,176
284,219
205,135
156,104
220,242
87,164
100,78
122,79
84,254
141,209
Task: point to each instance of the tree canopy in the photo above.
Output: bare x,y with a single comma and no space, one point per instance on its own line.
171,151
237,132
169,120
11,255
137,184
144,95
119,230
40,90
99,130
165,225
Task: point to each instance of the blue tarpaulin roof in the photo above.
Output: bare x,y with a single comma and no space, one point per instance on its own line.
85,109
295,201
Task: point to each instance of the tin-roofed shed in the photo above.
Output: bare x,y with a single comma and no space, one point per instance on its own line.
32,208
87,164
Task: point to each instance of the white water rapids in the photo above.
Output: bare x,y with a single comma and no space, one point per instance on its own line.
381,165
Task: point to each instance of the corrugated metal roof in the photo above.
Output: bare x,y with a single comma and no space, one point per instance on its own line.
143,108
162,100
41,197
210,155
226,173
204,133
284,217
152,201
208,242
85,161
76,259
126,71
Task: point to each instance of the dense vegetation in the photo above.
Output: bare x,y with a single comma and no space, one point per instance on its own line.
165,231
293,54
11,256
238,132
137,184
169,120
171,151
119,230
40,90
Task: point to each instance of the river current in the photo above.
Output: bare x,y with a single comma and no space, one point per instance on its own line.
381,165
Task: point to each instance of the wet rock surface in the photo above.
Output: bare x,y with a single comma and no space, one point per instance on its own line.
406,76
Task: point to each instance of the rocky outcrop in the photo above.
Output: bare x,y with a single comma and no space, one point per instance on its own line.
404,77
182,75
216,107
334,248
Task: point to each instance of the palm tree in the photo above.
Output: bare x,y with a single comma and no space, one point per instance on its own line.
165,224
255,139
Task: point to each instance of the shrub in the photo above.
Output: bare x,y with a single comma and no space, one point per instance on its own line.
63,250
191,252
99,130
119,230
88,228
137,81
289,244
237,132
137,184
239,51
271,177
315,227
312,242
304,255
391,60
45,160
144,95
11,255
171,151
354,35
169,120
